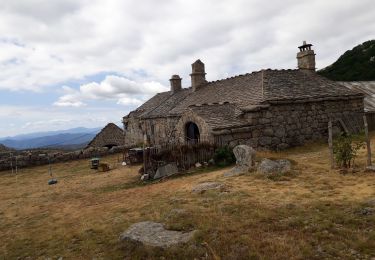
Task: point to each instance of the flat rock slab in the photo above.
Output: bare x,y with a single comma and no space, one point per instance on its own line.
202,187
166,170
154,234
236,171
268,166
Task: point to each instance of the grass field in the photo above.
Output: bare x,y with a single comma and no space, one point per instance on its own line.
312,213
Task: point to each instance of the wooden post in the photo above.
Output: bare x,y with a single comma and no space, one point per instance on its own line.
330,144
367,141
144,153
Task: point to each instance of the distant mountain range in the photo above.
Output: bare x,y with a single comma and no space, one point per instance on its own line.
357,64
3,148
74,138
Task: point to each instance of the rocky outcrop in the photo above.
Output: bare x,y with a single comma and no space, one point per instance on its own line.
155,235
245,160
268,166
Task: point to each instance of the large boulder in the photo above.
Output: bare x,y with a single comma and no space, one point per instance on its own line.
205,186
155,235
245,160
166,170
268,166
245,156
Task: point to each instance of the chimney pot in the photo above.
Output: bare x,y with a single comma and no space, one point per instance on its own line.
175,83
306,57
198,74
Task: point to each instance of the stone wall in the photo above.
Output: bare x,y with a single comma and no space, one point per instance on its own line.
277,127
285,125
25,159
159,130
204,129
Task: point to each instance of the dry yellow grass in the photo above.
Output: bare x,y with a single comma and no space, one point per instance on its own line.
313,213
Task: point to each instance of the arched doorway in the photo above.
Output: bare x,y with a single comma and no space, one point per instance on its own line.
192,133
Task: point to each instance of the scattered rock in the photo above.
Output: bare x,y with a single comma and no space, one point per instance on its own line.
145,177
198,165
166,170
370,168
202,187
154,234
211,162
245,160
268,166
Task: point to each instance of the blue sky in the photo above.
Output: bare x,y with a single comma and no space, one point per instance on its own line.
70,63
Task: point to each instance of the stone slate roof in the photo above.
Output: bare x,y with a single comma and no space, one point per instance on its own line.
111,135
246,91
219,116
367,88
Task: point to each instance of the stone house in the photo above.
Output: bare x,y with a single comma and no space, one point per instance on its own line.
272,109
368,89
111,135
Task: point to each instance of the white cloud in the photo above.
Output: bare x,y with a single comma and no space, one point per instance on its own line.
46,43
124,91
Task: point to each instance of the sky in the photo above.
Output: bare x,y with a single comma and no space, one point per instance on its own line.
72,63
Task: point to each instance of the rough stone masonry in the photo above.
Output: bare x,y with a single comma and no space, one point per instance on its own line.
273,109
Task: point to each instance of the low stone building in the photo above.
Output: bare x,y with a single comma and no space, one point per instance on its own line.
269,108
111,135
368,89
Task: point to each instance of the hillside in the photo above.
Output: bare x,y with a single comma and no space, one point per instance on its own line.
312,213
357,64
3,148
49,141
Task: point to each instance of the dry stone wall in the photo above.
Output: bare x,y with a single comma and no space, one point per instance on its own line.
159,130
35,158
285,125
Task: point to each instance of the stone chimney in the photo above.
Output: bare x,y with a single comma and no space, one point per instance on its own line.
175,83
306,57
198,75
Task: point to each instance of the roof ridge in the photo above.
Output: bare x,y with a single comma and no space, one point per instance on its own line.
249,73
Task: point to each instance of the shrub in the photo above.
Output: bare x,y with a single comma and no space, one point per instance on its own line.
224,156
345,149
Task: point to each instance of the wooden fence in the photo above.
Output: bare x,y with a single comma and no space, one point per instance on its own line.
185,156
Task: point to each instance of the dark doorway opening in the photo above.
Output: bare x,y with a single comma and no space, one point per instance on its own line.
192,133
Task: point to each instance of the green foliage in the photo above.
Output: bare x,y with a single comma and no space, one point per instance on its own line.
357,64
345,149
224,156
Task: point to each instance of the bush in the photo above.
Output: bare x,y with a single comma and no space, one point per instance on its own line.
345,149
224,156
